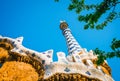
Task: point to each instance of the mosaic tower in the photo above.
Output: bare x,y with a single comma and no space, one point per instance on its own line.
72,44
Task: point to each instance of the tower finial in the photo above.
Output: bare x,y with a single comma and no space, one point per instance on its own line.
63,25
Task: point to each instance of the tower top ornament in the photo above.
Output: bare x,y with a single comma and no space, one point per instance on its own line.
63,25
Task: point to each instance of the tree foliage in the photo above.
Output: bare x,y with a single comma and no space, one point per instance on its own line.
97,10
102,55
105,8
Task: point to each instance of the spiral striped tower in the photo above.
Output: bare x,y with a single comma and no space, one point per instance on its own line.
72,44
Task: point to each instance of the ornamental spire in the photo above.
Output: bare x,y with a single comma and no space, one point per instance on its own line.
72,44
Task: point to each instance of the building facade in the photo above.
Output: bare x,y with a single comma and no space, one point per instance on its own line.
78,65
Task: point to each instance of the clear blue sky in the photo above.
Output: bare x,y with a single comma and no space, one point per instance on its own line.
38,22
